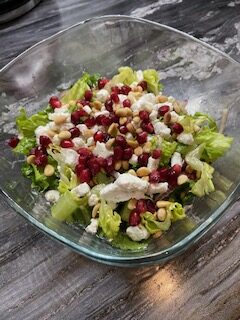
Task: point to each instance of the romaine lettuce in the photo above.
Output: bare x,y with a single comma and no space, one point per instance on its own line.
126,75
151,76
202,120
152,225
168,148
68,180
109,221
176,211
25,145
122,241
204,185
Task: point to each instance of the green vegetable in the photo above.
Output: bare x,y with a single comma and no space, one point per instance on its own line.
168,148
155,142
126,75
152,78
123,242
204,185
152,225
184,149
188,122
202,119
27,125
25,145
216,144
109,221
78,89
193,158
125,212
68,180
102,178
177,212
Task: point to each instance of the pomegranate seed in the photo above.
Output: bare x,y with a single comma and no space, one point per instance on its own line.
94,166
41,160
115,118
117,153
163,174
66,143
143,159
134,218
125,90
102,82
109,105
162,110
109,166
142,137
115,89
33,151
99,136
102,162
144,115
126,103
184,165
143,84
83,102
106,121
85,175
141,206
151,207
13,142
90,122
123,129
177,128
127,153
156,154
121,141
114,97
39,151
177,168
88,95
154,176
149,128
82,160
85,152
99,119
78,169
75,132
55,102
172,178
44,141
76,115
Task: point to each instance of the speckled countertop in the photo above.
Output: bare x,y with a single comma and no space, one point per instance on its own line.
41,279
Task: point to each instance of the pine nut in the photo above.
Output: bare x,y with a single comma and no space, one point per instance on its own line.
139,130
139,89
113,129
110,143
121,112
87,133
147,148
132,204
143,171
123,120
95,210
167,117
132,143
176,107
189,169
136,119
60,119
97,104
163,203
132,172
161,214
135,113
31,159
64,135
118,165
125,165
138,151
130,128
162,99
49,170
51,133
157,234
182,179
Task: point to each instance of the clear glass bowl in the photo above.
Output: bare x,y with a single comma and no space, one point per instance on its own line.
189,69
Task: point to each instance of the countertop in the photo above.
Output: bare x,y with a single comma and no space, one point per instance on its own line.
41,279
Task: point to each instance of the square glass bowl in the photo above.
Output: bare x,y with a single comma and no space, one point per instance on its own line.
189,69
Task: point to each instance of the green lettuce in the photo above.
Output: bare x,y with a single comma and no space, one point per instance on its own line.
25,145
188,122
27,125
216,144
68,180
152,225
102,178
204,185
202,120
78,89
151,76
123,242
193,158
126,75
168,148
177,212
109,221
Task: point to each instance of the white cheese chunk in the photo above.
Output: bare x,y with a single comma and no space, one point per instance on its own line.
122,97
145,102
92,227
78,142
41,131
93,200
134,159
152,163
66,126
153,115
82,127
174,117
101,151
139,75
137,233
176,159
161,188
56,140
81,190
90,141
102,113
185,138
52,196
102,95
87,109
69,157
161,129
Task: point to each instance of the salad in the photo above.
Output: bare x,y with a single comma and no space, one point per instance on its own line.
118,157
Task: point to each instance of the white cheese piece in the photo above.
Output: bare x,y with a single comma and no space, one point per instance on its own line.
158,105
92,227
93,200
81,189
145,102
52,126
102,95
56,140
87,109
161,188
153,115
52,196
66,126
174,117
90,141
129,136
41,131
139,75
82,127
54,115
78,142
61,110
137,233
69,157
161,129
101,113
122,97
101,151
152,163
185,138
134,159
124,188
176,159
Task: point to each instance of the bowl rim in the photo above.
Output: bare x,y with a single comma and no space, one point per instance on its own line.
129,261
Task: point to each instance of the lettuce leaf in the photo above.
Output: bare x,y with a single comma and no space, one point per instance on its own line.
65,206
109,221
27,125
193,158
202,120
152,225
25,145
126,75
204,185
68,180
177,212
78,89
216,144
123,242
151,76
188,122
168,148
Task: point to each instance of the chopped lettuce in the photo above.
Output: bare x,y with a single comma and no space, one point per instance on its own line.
168,148
152,225
188,122
177,212
25,145
68,180
184,149
202,120
109,221
65,206
193,158
125,212
216,144
204,185
78,89
126,75
151,76
101,178
27,125
123,242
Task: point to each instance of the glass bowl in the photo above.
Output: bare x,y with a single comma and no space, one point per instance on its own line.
189,69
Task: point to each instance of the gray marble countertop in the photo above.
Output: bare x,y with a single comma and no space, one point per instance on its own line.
41,279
